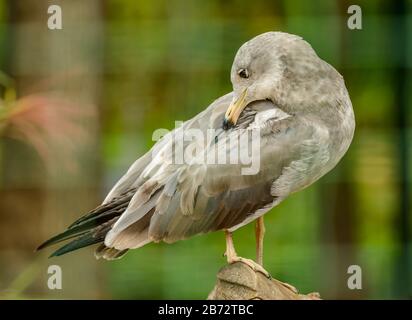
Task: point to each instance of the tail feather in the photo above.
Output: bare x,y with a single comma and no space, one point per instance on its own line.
109,253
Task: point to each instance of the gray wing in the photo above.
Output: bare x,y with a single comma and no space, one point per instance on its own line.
140,170
178,200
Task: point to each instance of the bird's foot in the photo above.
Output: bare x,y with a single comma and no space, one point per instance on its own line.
289,286
249,262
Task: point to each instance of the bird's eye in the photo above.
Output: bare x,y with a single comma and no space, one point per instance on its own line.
243,73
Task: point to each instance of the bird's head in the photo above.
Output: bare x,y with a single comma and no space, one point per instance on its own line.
273,66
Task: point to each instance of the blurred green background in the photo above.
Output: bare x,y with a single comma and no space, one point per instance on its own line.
79,105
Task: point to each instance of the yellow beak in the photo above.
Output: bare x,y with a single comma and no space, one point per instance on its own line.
234,111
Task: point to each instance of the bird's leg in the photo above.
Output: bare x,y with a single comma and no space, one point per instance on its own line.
232,256
260,233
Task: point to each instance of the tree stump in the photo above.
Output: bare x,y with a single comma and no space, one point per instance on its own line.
239,282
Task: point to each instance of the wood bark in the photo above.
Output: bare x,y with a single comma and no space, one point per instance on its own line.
239,282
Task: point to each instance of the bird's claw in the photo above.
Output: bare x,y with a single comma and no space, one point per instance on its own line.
258,268
289,287
252,264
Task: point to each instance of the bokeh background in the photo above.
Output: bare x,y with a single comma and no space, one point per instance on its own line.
79,105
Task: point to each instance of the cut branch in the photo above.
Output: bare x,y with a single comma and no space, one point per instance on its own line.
239,282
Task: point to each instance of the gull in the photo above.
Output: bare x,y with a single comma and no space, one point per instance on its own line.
301,115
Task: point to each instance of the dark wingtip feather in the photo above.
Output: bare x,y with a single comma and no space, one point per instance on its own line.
119,202
81,242
79,229
68,234
49,242
85,228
